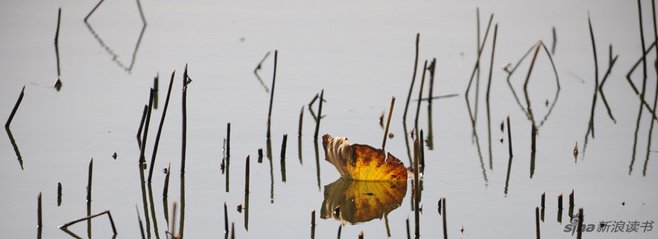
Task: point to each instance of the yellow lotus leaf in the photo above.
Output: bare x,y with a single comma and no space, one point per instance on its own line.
362,162
361,201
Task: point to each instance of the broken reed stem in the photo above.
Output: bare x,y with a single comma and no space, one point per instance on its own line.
141,225
141,126
142,157
181,226
533,149
232,230
430,94
422,152
89,184
543,200
493,53
226,231
299,135
408,229
445,218
581,216
228,154
301,122
165,193
59,20
509,137
388,122
59,194
39,212
269,112
13,110
228,140
420,95
361,235
107,212
165,189
511,155
283,157
313,224
89,179
537,222
319,117
571,203
416,184
173,221
184,124
156,88
260,155
246,194
554,41
559,208
162,119
340,228
413,79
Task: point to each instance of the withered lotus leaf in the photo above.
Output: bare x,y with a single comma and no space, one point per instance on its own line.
352,201
362,162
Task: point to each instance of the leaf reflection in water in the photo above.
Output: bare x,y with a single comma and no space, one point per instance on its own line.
353,201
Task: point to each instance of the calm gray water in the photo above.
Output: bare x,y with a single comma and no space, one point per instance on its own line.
361,54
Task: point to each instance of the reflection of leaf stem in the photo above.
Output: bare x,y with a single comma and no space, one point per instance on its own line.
10,135
13,110
511,155
420,95
108,213
493,52
115,57
476,69
655,97
141,126
257,68
557,80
